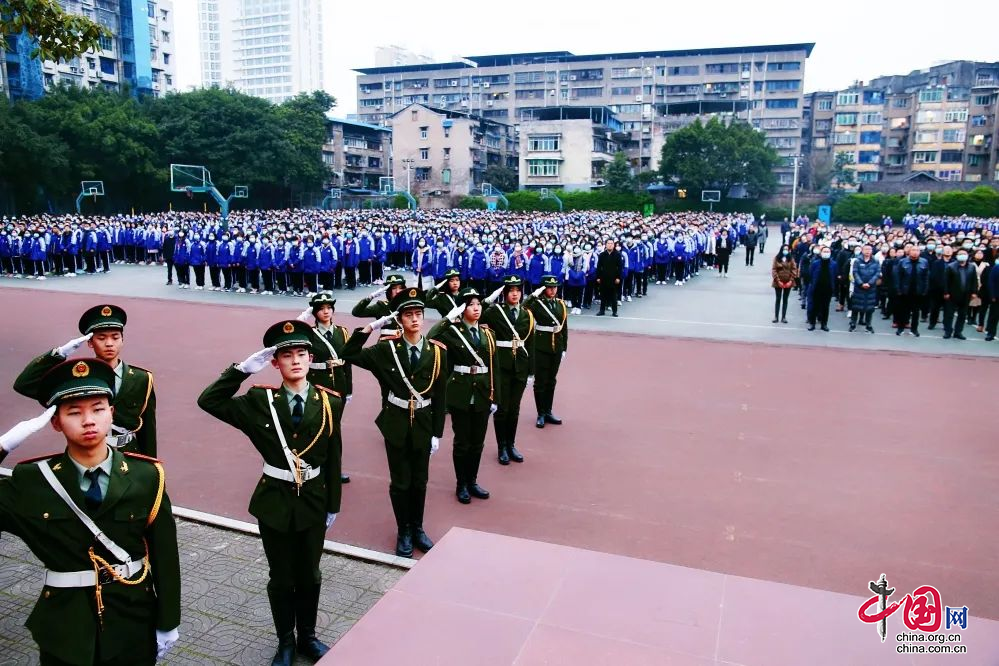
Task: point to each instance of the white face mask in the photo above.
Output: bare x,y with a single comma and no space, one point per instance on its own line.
826,255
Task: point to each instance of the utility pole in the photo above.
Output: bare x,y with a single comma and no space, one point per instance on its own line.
794,186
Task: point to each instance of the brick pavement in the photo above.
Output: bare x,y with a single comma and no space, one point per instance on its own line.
225,616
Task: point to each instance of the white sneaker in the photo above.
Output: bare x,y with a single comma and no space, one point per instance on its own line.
41,277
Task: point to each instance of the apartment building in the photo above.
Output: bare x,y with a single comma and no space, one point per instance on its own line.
439,150
266,48
939,122
567,147
138,55
651,93
357,154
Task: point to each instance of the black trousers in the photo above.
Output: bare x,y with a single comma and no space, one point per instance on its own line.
608,295
239,276
184,274
169,265
818,310
312,282
297,282
269,281
863,318
376,270
365,270
661,272
723,263
281,281
546,366
469,427
338,276
293,557
574,294
213,272
780,302
408,472
750,254
955,315
227,277
326,280
511,390
933,304
993,318
142,653
350,277
105,260
679,269
199,275
906,309
588,292
91,257
253,278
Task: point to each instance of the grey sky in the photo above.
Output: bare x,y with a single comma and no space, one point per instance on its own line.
854,39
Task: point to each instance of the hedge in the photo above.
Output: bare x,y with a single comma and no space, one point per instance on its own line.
863,208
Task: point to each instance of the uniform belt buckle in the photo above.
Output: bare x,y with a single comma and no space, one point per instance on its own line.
105,577
474,370
304,469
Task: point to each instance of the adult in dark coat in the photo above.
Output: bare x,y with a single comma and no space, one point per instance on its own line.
866,272
609,266
821,286
752,238
169,244
962,284
938,284
992,280
912,282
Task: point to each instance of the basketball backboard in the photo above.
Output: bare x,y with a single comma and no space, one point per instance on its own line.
189,178
919,198
92,188
241,192
386,184
713,196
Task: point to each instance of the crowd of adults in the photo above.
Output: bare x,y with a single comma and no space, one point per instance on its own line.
922,268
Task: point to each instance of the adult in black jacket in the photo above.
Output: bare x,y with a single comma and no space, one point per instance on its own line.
169,244
842,259
723,250
912,282
938,284
752,238
609,267
962,284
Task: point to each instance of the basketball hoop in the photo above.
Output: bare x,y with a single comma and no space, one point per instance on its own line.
190,192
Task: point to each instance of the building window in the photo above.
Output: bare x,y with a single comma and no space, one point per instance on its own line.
782,104
931,95
844,138
166,36
846,118
445,176
542,143
900,102
974,160
542,167
414,114
722,68
867,176
782,66
151,9
956,116
825,105
949,174
953,135
924,156
106,43
166,58
871,118
424,153
927,116
423,132
984,100
847,98
869,157
926,137
951,156
422,174
870,137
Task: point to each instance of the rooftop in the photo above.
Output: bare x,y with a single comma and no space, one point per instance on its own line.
354,123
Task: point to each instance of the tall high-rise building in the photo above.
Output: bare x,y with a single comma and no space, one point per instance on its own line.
265,48
138,55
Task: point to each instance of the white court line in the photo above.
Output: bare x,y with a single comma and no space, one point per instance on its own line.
334,547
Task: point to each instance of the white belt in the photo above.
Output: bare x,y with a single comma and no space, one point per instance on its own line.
308,473
89,578
121,439
471,369
548,329
327,366
418,403
509,343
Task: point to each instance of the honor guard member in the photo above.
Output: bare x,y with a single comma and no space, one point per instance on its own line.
471,388
512,325
412,371
328,369
551,333
446,295
376,307
100,521
296,429
103,329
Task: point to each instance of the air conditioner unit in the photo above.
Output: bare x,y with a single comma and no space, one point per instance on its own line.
464,102
572,77
485,84
639,98
489,103
475,85
99,74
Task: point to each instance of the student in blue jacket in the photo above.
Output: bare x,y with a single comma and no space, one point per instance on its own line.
265,264
36,251
295,257
280,265
349,259
312,260
153,240
197,261
422,263
212,260
327,264
379,257
575,280
251,264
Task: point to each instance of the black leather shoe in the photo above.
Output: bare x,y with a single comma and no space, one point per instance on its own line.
404,543
285,655
551,418
344,478
514,453
915,332
540,422
811,327
504,458
959,336
477,491
989,337
825,328
462,494
421,540
900,331
600,314
312,648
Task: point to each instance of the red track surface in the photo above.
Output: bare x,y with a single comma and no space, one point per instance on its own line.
816,467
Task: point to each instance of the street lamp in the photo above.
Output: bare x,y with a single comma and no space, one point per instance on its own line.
408,161
794,186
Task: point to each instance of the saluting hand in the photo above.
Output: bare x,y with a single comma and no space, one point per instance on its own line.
257,361
455,314
13,438
71,346
378,292
537,292
440,284
435,443
304,316
379,323
492,298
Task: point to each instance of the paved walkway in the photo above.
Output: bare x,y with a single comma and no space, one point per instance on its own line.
225,615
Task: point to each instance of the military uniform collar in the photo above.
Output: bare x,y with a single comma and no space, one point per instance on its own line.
105,466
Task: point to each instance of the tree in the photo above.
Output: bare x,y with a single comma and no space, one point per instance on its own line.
819,171
843,172
58,35
714,155
502,178
617,174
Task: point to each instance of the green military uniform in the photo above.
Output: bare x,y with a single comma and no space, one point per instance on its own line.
291,505
406,424
375,309
472,389
135,400
444,300
515,352
75,620
551,333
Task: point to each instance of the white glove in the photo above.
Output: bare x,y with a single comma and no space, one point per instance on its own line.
346,400
12,439
72,345
435,443
256,361
537,292
563,355
440,284
378,323
455,313
330,519
164,641
492,298
378,292
306,313
493,407
530,380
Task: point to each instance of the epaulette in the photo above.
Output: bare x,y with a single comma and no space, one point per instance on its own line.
484,327
141,456
265,386
438,343
136,367
328,390
39,458
346,333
